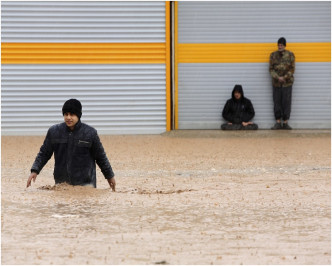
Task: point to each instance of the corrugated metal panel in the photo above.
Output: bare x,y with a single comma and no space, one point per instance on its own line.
204,89
122,97
75,21
253,22
116,99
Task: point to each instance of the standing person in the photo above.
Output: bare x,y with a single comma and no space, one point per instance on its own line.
282,68
77,149
238,111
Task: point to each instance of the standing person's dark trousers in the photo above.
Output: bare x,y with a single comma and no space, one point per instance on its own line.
282,98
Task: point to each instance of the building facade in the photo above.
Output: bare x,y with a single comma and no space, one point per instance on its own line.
112,56
149,67
221,43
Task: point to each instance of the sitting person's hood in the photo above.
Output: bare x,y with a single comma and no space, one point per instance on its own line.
239,89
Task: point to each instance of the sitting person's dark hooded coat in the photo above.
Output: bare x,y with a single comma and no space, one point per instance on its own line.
238,111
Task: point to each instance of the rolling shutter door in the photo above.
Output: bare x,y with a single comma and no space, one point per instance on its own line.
207,73
109,55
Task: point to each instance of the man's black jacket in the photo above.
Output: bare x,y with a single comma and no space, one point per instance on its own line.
238,111
75,153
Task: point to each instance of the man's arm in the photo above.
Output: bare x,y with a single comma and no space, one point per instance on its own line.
102,161
226,113
45,153
249,112
273,73
291,70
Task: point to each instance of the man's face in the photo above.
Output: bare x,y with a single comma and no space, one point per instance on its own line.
70,120
237,95
281,47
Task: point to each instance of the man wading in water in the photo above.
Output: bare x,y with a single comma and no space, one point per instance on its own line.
77,149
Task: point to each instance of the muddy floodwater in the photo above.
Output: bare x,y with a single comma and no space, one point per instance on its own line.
183,197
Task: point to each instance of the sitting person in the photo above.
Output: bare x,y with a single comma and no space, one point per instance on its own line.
238,111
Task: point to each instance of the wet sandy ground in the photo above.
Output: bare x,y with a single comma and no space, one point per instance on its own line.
184,197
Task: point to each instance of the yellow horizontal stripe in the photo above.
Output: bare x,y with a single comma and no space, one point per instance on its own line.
249,52
83,53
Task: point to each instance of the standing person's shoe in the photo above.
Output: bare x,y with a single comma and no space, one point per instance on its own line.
276,126
286,126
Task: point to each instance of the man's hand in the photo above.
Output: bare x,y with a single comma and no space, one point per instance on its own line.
112,183
246,123
33,177
281,79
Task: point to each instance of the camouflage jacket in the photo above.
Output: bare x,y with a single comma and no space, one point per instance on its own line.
282,65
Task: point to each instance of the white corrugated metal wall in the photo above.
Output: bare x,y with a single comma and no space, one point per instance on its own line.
118,98
203,88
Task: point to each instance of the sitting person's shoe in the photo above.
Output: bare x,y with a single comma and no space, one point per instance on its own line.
286,126
276,126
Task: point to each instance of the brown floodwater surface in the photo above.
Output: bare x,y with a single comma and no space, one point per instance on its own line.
185,197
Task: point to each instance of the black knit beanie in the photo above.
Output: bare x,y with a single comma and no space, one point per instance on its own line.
282,40
72,106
